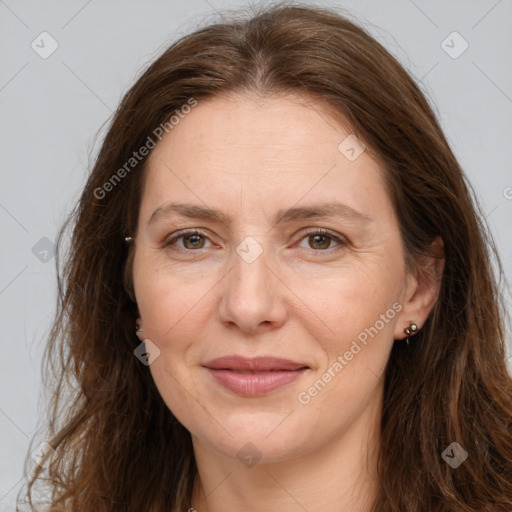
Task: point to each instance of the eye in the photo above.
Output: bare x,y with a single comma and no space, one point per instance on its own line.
192,240
320,239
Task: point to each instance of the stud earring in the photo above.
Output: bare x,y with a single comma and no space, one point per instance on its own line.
412,329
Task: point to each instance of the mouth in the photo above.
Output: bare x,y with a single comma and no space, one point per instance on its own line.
251,377
253,372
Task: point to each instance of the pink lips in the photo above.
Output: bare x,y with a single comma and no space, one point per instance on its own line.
254,376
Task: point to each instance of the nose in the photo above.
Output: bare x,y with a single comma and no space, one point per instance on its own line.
253,298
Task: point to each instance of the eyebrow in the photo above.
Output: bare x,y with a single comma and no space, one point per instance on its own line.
322,210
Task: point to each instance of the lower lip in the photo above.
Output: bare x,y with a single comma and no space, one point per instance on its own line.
255,384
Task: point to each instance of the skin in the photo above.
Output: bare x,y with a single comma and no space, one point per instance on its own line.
304,298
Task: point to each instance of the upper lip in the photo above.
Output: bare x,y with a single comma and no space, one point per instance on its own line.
236,362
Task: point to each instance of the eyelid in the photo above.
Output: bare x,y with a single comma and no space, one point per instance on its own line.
340,239
307,232
182,233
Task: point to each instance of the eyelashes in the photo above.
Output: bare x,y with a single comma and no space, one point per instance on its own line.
185,234
197,240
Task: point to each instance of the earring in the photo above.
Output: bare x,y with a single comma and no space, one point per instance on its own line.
413,328
128,239
138,328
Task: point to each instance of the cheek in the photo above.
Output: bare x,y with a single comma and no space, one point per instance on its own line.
355,337
353,306
169,301
332,309
174,315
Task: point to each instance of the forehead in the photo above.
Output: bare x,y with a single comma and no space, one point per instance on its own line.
233,124
264,150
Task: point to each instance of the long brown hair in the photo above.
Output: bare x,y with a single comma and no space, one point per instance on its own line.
119,448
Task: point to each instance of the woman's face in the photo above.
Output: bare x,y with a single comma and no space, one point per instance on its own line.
255,178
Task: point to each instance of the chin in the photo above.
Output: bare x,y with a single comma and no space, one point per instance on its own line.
265,437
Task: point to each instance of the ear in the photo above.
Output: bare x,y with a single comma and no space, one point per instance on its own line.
422,289
139,330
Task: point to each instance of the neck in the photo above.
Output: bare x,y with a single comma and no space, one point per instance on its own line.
340,476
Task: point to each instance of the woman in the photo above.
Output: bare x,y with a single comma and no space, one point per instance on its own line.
279,292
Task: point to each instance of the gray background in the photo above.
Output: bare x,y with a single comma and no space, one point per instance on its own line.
52,109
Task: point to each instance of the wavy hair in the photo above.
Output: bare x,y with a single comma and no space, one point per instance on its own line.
118,446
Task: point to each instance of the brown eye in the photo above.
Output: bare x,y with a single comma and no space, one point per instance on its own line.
321,240
195,241
192,240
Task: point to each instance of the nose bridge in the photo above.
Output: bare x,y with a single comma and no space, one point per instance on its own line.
251,296
251,272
